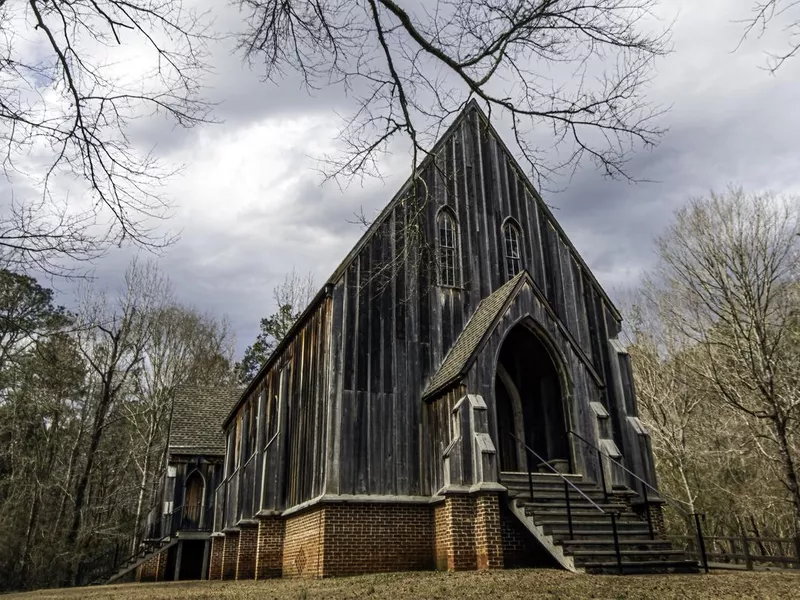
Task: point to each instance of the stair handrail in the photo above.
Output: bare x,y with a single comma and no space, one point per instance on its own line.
561,475
697,516
685,511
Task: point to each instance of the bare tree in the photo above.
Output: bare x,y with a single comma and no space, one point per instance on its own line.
183,347
74,79
571,71
729,282
112,341
764,13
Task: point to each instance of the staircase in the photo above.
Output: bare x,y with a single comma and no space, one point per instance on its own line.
590,546
146,551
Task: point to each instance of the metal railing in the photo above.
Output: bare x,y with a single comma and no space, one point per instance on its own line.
689,515
614,515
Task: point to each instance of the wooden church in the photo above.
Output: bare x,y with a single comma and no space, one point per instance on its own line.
455,397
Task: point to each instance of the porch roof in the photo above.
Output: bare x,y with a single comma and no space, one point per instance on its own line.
459,358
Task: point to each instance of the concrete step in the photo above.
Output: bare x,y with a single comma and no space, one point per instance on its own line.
644,567
560,504
604,544
595,556
579,515
561,533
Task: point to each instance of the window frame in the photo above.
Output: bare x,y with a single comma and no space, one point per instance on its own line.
453,251
512,262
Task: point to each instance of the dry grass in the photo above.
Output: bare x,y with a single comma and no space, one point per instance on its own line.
522,584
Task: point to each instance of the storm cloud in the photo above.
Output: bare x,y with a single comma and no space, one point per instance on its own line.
251,203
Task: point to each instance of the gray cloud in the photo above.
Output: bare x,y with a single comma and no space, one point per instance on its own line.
250,205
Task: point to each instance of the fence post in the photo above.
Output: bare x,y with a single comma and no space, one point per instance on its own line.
797,550
748,560
700,541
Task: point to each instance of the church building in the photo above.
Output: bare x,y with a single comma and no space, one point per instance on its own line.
454,397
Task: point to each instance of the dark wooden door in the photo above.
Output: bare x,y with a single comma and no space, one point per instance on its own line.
193,502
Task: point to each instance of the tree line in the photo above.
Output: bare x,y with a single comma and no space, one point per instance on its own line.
85,405
714,336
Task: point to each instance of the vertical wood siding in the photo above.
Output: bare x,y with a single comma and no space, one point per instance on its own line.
355,422
395,334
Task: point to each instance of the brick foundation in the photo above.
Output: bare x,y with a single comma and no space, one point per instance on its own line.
148,570
153,569
656,516
353,538
229,552
488,536
215,560
303,544
468,533
269,553
246,553
462,533
376,538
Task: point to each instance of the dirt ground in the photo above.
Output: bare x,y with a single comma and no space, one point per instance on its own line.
523,584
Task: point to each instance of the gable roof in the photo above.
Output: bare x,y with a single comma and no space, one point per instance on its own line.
460,356
470,107
197,416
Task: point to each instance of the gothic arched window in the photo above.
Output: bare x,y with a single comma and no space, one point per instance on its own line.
447,246
511,237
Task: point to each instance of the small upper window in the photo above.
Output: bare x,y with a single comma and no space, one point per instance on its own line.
511,236
448,249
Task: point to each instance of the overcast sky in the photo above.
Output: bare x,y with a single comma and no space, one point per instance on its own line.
250,207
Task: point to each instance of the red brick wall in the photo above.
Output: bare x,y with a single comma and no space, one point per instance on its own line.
303,544
229,552
464,532
468,533
269,556
488,535
373,537
455,530
148,570
215,561
246,553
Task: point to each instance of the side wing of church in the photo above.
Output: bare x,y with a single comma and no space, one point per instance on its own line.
459,371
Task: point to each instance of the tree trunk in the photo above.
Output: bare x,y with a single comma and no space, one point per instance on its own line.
143,486
791,477
83,480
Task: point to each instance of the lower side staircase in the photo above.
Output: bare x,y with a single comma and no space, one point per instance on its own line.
147,550
605,534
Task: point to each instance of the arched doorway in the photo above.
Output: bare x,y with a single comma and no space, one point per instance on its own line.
529,403
193,501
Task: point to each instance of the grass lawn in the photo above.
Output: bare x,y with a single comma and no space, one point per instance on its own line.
523,584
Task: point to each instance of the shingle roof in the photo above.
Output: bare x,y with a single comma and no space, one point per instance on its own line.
465,347
197,416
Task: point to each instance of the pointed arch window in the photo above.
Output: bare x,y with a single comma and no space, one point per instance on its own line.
511,237
447,254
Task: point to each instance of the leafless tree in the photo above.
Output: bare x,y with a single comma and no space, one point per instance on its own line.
568,75
112,340
728,282
764,13
183,347
75,78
